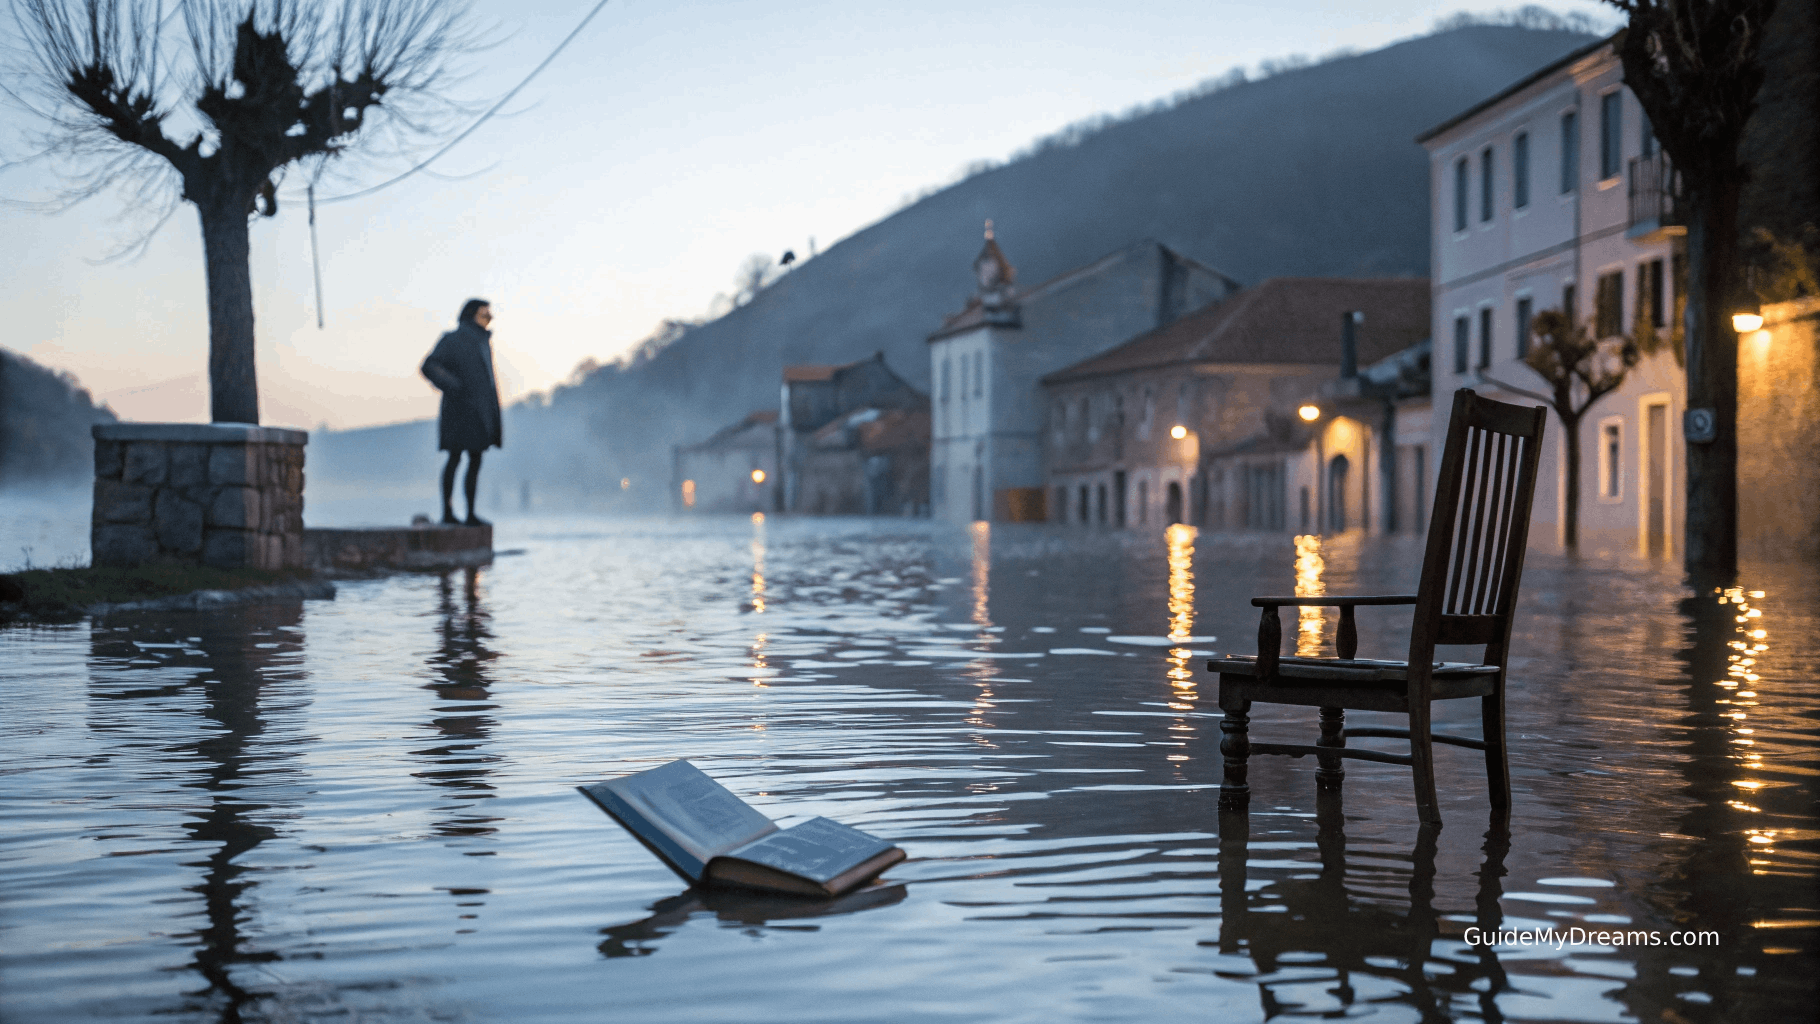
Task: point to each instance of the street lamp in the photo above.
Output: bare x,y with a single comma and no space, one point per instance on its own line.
1746,322
1178,432
758,476
1309,413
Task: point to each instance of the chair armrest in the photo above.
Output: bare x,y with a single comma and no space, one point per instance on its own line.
1346,637
1331,601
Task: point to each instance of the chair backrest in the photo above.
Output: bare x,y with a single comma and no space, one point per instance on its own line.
1480,526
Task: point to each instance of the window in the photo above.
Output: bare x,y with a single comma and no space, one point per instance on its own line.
1568,307
1461,329
965,362
1459,194
1611,133
1519,170
947,374
1649,292
1526,312
1149,416
1484,337
1649,146
1485,183
1570,151
1608,305
979,374
1611,462
1061,504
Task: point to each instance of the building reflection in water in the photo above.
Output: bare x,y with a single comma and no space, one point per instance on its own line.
244,655
1311,620
1316,937
459,762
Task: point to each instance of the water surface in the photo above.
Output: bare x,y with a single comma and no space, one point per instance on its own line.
363,809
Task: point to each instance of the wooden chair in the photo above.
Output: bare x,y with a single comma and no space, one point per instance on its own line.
1476,539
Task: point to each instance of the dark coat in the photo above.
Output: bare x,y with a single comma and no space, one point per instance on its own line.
461,366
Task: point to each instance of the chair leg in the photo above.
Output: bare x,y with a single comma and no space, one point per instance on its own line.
1497,752
1235,749
1333,734
1422,752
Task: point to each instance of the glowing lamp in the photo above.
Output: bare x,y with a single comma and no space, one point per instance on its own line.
1744,323
758,476
1178,432
625,483
1309,413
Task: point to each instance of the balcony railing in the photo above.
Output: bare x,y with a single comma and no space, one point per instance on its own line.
1655,197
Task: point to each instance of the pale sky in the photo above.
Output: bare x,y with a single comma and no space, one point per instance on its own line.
668,143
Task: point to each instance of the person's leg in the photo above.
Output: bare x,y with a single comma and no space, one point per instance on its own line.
448,487
472,484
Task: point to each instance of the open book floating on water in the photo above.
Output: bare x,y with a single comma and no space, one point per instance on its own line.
711,837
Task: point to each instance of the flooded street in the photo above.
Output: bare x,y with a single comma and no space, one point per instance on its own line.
363,809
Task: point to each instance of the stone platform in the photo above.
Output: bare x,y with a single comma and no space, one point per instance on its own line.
398,547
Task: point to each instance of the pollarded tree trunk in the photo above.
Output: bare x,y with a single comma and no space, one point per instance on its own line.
1570,447
233,386
1712,372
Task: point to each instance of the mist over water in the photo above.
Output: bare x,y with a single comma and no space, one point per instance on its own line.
362,808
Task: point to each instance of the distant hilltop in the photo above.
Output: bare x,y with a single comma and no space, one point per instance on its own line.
1309,172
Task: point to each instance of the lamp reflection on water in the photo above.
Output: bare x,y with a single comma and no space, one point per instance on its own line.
1180,538
1311,621
982,670
1741,679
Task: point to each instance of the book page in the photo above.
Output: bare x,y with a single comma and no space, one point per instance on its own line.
694,811
818,849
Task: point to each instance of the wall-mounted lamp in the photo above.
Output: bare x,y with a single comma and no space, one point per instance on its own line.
1747,320
1309,413
1178,432
758,476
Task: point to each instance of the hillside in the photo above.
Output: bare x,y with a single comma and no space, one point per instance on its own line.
1308,172
45,418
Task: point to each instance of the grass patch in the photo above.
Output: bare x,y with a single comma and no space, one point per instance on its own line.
55,593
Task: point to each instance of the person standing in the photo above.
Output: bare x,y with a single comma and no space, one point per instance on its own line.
461,367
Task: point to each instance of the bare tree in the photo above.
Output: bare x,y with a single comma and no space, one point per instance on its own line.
755,272
1579,370
1693,65
220,105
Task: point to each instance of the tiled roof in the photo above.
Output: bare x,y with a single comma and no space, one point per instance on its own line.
1283,320
808,371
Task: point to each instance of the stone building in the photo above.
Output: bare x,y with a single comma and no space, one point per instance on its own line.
867,462
987,361
1554,194
733,471
1198,421
842,400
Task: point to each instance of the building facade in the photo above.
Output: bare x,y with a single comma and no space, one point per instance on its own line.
844,398
733,471
1554,194
987,459
1201,421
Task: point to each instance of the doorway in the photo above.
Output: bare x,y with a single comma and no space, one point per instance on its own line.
1173,503
1655,479
1336,493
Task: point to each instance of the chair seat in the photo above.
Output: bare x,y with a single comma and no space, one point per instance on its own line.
1344,670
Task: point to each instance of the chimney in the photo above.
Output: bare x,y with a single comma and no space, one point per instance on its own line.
1349,343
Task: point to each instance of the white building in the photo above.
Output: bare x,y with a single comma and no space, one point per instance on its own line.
986,461
1554,194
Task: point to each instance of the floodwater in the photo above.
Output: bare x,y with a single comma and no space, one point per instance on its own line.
362,809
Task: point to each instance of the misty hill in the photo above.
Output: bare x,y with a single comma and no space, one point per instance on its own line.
1310,172
45,418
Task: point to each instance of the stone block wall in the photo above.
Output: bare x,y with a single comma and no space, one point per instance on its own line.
223,494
